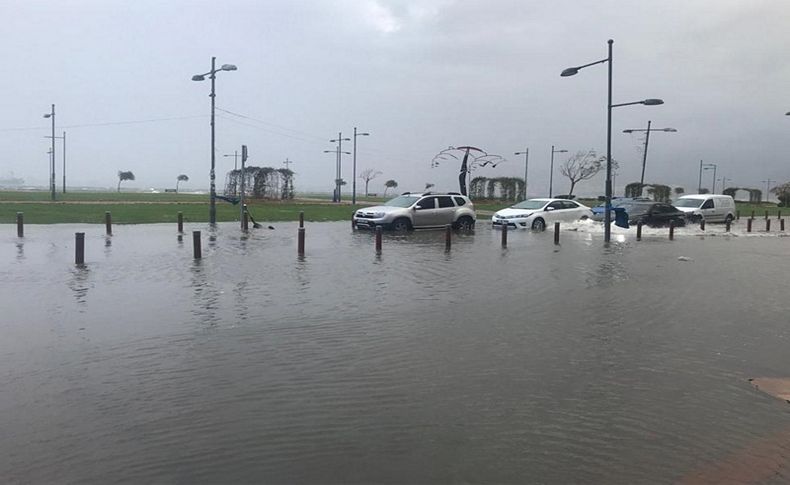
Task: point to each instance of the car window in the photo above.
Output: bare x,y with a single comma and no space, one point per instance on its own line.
569,204
459,200
557,204
426,203
445,201
663,208
708,204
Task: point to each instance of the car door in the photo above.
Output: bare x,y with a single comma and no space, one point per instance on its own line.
425,213
662,214
553,212
445,209
571,211
708,210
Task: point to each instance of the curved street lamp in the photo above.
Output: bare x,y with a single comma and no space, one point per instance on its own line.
354,170
212,74
51,115
551,170
647,102
647,139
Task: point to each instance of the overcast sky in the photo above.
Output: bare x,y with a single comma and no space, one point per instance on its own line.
418,75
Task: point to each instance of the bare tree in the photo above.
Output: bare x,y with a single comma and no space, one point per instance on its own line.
181,178
367,175
390,184
582,166
124,176
428,185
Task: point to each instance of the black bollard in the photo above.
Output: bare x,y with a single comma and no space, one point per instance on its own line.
196,250
702,224
180,222
639,231
378,239
245,221
504,234
781,224
768,225
727,224
301,219
108,223
737,215
300,241
556,233
671,230
448,237
20,224
749,225
79,253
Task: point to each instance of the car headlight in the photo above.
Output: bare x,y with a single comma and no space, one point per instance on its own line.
378,214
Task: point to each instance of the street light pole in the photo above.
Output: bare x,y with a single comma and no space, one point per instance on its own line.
235,156
212,74
648,102
339,140
647,139
551,170
526,169
354,170
51,115
64,160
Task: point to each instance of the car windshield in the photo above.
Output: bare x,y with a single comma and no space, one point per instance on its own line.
688,203
402,201
530,204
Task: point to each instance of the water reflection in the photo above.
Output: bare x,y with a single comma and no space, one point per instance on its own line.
205,295
20,251
78,283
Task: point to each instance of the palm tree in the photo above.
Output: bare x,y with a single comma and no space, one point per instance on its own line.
181,178
389,184
124,176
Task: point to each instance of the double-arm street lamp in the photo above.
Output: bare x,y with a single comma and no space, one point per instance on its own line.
51,115
526,169
354,170
551,170
212,74
707,166
339,152
647,139
648,102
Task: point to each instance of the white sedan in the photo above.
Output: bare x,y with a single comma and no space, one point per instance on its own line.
537,213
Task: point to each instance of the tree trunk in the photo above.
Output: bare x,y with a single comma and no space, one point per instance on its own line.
177,181
573,184
119,184
366,187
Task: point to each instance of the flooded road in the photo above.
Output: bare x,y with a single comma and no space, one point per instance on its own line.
534,363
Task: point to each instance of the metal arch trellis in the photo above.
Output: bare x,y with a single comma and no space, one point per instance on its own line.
471,158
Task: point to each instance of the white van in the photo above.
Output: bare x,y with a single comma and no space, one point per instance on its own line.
711,207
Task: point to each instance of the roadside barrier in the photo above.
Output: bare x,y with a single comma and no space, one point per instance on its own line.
79,251
448,237
767,225
20,224
108,223
702,224
300,235
781,224
196,249
671,230
749,225
639,231
504,234
378,239
180,222
556,233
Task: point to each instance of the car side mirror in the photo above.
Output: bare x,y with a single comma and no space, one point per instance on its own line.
416,207
549,209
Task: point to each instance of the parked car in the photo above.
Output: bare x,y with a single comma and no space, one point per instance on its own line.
537,213
654,214
419,211
711,207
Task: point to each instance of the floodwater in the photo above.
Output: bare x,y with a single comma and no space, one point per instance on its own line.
532,364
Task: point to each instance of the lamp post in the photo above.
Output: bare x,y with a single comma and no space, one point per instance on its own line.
212,74
339,152
51,115
708,166
526,169
551,170
724,182
354,170
647,139
648,102
64,158
235,156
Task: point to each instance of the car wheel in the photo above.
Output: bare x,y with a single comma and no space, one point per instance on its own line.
728,219
539,224
401,225
464,223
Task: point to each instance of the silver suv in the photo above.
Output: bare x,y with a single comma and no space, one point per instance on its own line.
419,211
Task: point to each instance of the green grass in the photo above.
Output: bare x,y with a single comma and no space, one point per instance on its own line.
141,208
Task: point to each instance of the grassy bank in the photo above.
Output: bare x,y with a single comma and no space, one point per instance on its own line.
141,208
